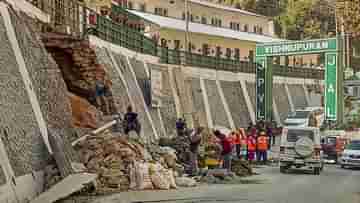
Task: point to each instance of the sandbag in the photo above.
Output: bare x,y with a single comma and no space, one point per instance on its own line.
169,175
185,182
158,177
141,180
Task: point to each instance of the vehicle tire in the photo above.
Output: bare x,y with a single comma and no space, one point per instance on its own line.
322,167
283,169
342,166
304,147
317,171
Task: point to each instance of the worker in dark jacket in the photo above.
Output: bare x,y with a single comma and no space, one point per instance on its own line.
195,141
131,121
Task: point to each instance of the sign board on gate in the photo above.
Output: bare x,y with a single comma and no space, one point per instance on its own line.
156,87
330,86
296,47
260,88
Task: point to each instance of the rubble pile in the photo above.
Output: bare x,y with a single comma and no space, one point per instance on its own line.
84,115
79,66
241,167
122,165
51,176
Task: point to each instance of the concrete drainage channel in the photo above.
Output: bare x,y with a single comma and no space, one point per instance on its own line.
201,200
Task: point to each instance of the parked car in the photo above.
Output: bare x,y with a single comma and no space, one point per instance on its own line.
300,148
351,155
306,117
333,144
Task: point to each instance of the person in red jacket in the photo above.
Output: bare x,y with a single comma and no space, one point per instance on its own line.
226,149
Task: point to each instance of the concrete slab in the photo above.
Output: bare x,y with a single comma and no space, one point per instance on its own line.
66,187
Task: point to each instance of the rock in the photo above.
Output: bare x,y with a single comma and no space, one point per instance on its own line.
241,168
185,182
84,115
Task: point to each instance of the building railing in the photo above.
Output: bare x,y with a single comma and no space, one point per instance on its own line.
70,17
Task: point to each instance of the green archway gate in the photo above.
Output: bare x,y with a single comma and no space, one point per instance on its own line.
333,74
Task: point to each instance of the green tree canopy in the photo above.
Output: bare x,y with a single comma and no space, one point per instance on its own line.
349,16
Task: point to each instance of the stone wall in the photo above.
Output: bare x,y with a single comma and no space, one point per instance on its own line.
298,96
252,93
19,130
136,95
142,78
217,109
168,108
198,101
281,99
119,93
236,101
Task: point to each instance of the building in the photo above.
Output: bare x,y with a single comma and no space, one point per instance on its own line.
214,30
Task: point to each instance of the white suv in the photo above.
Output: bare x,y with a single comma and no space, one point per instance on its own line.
300,148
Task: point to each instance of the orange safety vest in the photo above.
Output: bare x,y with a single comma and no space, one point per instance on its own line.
236,138
262,143
251,142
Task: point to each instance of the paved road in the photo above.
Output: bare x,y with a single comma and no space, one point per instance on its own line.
334,185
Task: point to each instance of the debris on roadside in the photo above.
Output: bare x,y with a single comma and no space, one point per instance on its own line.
123,164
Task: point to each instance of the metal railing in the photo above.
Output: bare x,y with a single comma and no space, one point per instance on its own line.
70,17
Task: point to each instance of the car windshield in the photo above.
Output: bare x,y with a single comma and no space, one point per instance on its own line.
294,134
354,145
331,140
299,114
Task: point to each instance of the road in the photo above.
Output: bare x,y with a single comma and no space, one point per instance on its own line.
334,185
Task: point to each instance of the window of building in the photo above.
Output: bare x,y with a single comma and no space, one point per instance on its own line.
177,44
246,28
203,20
212,21
143,7
255,29
191,18
228,53
218,51
161,11
231,25
163,42
220,23
183,16
130,5
205,49
251,56
260,30
237,54
238,26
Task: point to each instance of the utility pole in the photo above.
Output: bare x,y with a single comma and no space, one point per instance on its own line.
187,25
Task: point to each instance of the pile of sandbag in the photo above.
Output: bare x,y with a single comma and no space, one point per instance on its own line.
122,165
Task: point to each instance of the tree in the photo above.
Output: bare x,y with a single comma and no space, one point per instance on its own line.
349,16
303,19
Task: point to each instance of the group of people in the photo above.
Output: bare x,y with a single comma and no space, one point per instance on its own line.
253,143
250,144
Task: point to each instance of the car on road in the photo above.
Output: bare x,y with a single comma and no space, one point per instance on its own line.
305,117
333,144
300,148
351,155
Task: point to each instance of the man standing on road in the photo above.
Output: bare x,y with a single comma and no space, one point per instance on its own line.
195,140
251,146
226,149
262,146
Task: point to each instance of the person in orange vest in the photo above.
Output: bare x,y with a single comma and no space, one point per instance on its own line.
236,142
251,146
243,144
262,147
